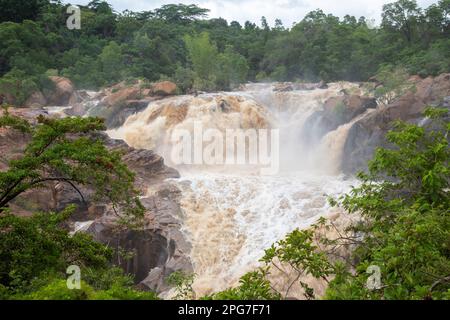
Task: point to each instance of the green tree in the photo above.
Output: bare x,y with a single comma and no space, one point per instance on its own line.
233,69
17,11
16,86
36,251
183,285
203,56
394,84
38,246
252,286
69,151
180,13
402,16
100,20
111,61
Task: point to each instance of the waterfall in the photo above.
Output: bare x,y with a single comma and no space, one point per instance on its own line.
232,215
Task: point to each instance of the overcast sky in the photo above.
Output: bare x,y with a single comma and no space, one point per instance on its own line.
289,11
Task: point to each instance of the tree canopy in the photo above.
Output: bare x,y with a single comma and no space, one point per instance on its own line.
152,45
69,152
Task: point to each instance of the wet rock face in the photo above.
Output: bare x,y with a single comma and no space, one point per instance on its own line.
157,250
368,133
63,93
116,115
362,140
148,165
146,249
36,100
336,112
121,101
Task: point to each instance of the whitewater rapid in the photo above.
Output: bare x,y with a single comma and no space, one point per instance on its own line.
232,216
232,219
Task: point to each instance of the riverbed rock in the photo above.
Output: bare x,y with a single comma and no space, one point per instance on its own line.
120,96
121,101
63,93
291,86
78,110
163,88
156,250
115,115
36,99
147,165
283,87
342,109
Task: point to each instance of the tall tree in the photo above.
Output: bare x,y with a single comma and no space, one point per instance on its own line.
17,11
402,16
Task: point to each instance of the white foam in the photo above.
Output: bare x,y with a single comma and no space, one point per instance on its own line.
232,219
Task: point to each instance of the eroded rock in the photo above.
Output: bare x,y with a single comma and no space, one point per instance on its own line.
164,88
368,133
336,112
63,93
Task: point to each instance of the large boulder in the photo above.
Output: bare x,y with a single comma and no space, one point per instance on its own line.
342,109
36,99
115,115
429,91
149,249
164,88
63,93
119,96
121,101
148,165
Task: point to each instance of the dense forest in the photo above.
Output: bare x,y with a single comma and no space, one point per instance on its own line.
403,198
178,42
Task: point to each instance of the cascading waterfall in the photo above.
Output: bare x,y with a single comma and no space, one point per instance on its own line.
232,216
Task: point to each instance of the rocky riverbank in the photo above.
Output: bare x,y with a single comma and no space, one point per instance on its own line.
156,250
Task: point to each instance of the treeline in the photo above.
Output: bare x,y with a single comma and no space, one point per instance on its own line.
178,42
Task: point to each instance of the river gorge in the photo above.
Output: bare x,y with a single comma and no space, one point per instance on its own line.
216,220
231,213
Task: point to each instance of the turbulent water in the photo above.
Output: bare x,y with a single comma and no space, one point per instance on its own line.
231,213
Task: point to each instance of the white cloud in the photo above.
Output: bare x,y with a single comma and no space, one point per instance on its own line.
289,11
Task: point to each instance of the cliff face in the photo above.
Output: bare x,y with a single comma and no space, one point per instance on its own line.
361,124
158,249
368,133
